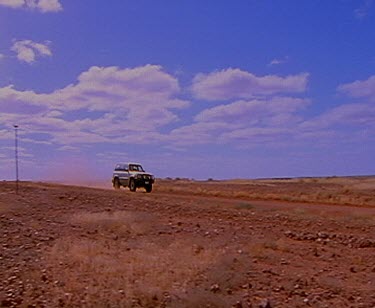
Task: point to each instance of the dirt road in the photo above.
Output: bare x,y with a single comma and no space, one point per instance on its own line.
65,246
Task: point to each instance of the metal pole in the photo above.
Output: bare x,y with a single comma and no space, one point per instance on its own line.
16,154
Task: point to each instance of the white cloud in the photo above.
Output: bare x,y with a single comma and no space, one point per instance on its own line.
68,148
130,105
22,152
135,91
6,134
254,119
346,115
44,6
197,133
252,111
257,134
34,141
27,50
350,119
140,106
275,121
278,61
359,88
48,5
235,83
109,157
54,114
364,9
360,114
12,3
1,56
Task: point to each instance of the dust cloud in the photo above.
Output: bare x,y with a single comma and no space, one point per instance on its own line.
77,171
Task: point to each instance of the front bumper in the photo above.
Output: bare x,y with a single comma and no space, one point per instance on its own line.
144,181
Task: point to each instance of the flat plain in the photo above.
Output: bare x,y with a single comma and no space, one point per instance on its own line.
306,242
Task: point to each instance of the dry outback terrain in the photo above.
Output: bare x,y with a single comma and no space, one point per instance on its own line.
265,243
354,191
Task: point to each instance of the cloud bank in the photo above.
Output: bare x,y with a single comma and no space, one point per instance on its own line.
142,105
109,104
44,6
359,88
235,83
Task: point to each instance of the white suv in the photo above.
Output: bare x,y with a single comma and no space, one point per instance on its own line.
133,176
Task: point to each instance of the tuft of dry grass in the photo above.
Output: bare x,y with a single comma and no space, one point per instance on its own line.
244,206
4,207
265,249
119,222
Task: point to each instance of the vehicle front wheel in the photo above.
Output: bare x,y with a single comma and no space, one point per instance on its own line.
148,188
116,183
132,186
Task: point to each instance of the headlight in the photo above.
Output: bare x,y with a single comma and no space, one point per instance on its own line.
139,176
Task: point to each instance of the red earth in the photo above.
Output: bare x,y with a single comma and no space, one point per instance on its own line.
69,246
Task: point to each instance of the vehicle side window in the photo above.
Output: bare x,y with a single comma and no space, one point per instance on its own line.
120,168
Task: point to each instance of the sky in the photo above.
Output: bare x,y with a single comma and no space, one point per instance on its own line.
195,89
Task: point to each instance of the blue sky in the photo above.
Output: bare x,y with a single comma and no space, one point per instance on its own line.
214,89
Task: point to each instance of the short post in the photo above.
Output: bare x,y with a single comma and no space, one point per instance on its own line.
16,154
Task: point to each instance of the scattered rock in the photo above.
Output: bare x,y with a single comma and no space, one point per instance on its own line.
265,303
215,288
366,243
197,249
238,304
353,269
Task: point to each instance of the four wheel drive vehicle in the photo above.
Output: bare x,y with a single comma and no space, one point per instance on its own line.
133,176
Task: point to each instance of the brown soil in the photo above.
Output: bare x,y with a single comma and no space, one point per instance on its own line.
356,191
66,246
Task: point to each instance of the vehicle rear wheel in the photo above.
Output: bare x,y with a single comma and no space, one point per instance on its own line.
148,188
132,186
116,183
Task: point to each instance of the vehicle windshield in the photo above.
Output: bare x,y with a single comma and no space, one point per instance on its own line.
136,168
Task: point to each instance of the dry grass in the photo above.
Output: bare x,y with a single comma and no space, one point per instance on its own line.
4,207
131,272
358,191
119,222
244,206
145,273
8,206
360,219
265,249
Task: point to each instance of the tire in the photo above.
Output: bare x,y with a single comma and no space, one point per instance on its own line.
116,183
148,188
132,186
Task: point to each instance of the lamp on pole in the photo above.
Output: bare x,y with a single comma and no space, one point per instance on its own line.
16,153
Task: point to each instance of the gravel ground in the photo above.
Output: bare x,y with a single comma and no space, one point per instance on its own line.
65,246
